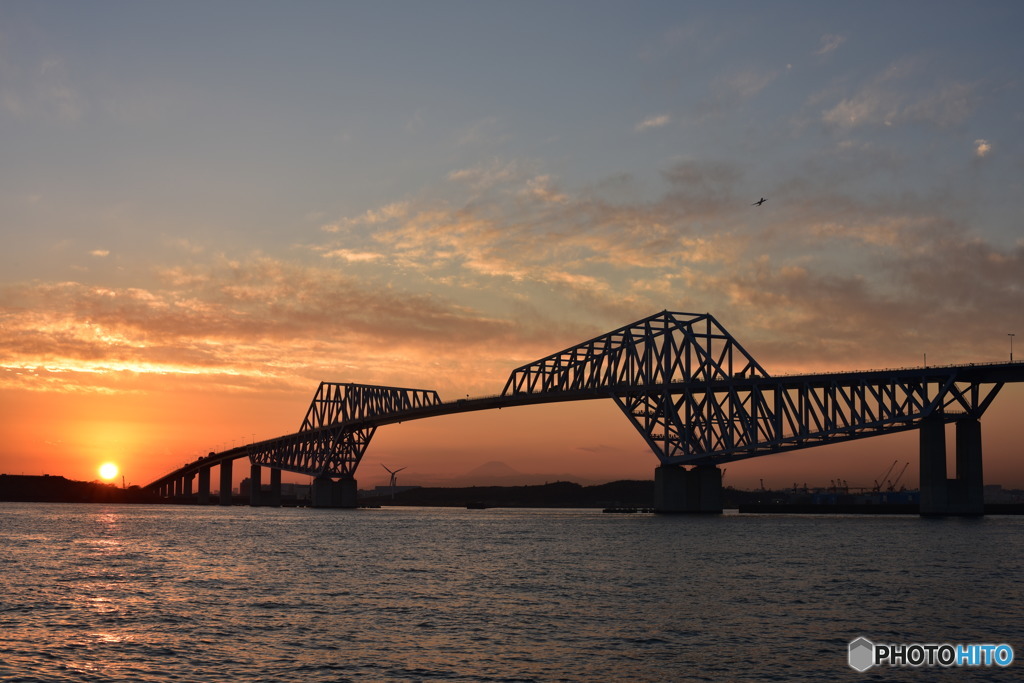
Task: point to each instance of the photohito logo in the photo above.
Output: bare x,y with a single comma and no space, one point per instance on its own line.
864,654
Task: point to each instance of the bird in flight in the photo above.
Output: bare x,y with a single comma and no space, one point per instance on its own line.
759,202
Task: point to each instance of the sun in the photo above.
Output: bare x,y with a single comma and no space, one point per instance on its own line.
108,470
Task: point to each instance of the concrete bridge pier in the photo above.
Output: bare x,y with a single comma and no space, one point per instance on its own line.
275,488
186,485
225,483
963,495
328,493
204,486
679,490
255,485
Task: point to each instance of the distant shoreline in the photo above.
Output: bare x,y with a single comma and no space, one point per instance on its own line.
48,488
620,495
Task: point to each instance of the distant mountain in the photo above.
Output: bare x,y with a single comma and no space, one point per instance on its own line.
493,469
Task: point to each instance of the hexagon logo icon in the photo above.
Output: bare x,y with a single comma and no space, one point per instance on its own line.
862,654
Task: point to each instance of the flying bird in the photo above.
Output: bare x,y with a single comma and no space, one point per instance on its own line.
759,202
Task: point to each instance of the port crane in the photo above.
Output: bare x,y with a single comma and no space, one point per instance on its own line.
878,487
892,484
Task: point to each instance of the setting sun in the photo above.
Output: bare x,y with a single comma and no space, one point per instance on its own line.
108,470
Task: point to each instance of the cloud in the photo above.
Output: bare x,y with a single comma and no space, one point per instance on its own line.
747,84
245,324
487,175
543,187
831,277
830,42
653,122
100,253
893,97
982,148
353,256
384,214
525,230
865,107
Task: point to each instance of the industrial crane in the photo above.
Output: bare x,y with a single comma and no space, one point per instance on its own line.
878,487
892,485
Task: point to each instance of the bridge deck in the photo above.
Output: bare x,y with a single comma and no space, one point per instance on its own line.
974,374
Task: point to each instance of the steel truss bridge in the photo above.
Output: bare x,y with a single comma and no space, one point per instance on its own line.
691,391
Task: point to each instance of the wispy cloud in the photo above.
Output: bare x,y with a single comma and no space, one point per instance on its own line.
747,84
488,175
829,43
370,217
893,97
653,122
353,256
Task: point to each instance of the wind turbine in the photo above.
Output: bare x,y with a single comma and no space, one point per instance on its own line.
394,478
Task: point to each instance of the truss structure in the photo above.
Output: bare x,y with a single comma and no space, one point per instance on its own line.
736,419
664,348
697,397
337,428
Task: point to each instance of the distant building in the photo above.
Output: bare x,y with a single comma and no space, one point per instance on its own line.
290,493
995,493
382,491
296,492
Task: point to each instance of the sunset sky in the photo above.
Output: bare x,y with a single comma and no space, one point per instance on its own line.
209,207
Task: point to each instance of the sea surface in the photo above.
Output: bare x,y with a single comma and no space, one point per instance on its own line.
174,593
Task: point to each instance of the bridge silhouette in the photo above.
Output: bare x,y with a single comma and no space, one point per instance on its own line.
692,392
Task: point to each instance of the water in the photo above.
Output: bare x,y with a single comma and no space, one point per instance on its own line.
158,593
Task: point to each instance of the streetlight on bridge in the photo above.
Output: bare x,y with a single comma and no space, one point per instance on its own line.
1011,335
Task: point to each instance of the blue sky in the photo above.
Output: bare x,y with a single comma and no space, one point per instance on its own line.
255,196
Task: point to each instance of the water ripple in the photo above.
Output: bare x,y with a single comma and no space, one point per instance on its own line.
152,593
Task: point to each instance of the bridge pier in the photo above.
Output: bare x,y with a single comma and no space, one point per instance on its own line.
679,490
328,493
204,485
963,495
275,487
186,484
225,482
255,485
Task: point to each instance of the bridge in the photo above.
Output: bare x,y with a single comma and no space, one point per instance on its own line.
691,391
